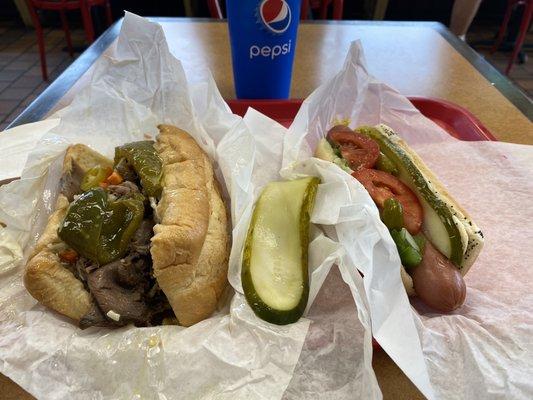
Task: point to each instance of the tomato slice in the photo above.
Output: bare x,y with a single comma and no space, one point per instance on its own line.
382,185
358,150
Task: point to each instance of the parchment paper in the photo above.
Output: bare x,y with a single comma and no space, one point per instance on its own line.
233,354
334,363
17,143
484,350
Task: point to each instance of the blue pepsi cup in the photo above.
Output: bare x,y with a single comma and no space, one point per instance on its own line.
263,41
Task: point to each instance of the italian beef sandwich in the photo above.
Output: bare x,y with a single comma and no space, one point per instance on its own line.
140,239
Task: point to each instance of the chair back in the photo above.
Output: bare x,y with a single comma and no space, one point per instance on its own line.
214,9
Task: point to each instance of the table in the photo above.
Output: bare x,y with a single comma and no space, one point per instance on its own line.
417,58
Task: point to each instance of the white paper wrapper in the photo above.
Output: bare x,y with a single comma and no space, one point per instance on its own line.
133,87
483,350
334,362
18,142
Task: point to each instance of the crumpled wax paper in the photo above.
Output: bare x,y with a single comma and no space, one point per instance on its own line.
133,87
334,363
484,350
17,143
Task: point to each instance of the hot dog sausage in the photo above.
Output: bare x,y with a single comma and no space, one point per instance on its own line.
438,282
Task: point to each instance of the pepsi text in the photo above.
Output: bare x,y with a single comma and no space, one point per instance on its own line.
270,51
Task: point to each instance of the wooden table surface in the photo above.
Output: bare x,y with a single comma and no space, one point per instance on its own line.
422,59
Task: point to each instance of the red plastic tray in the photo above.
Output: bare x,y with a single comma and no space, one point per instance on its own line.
455,120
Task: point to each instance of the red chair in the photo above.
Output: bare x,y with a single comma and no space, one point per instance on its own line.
524,26
214,9
62,6
322,5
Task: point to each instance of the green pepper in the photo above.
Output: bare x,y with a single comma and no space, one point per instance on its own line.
134,196
81,226
99,229
392,214
94,177
118,227
385,164
144,159
410,252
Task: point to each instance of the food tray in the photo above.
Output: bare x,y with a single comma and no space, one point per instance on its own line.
455,120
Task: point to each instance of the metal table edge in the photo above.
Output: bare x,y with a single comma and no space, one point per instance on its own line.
57,89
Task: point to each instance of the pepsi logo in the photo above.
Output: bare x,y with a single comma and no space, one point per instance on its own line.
276,15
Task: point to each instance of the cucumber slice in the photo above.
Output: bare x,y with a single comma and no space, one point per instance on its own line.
274,265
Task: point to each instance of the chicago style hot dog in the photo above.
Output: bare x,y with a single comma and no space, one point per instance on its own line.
436,239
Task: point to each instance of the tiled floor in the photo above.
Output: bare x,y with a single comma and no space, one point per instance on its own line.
20,70
521,74
481,39
20,73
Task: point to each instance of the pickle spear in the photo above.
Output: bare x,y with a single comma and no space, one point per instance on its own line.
274,265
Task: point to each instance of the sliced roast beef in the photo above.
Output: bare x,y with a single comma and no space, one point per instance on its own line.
141,239
119,292
95,318
69,184
123,189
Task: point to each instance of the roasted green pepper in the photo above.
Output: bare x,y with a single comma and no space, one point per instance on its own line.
118,227
99,229
82,224
94,177
144,159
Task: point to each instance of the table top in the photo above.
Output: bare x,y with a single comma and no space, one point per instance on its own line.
416,58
